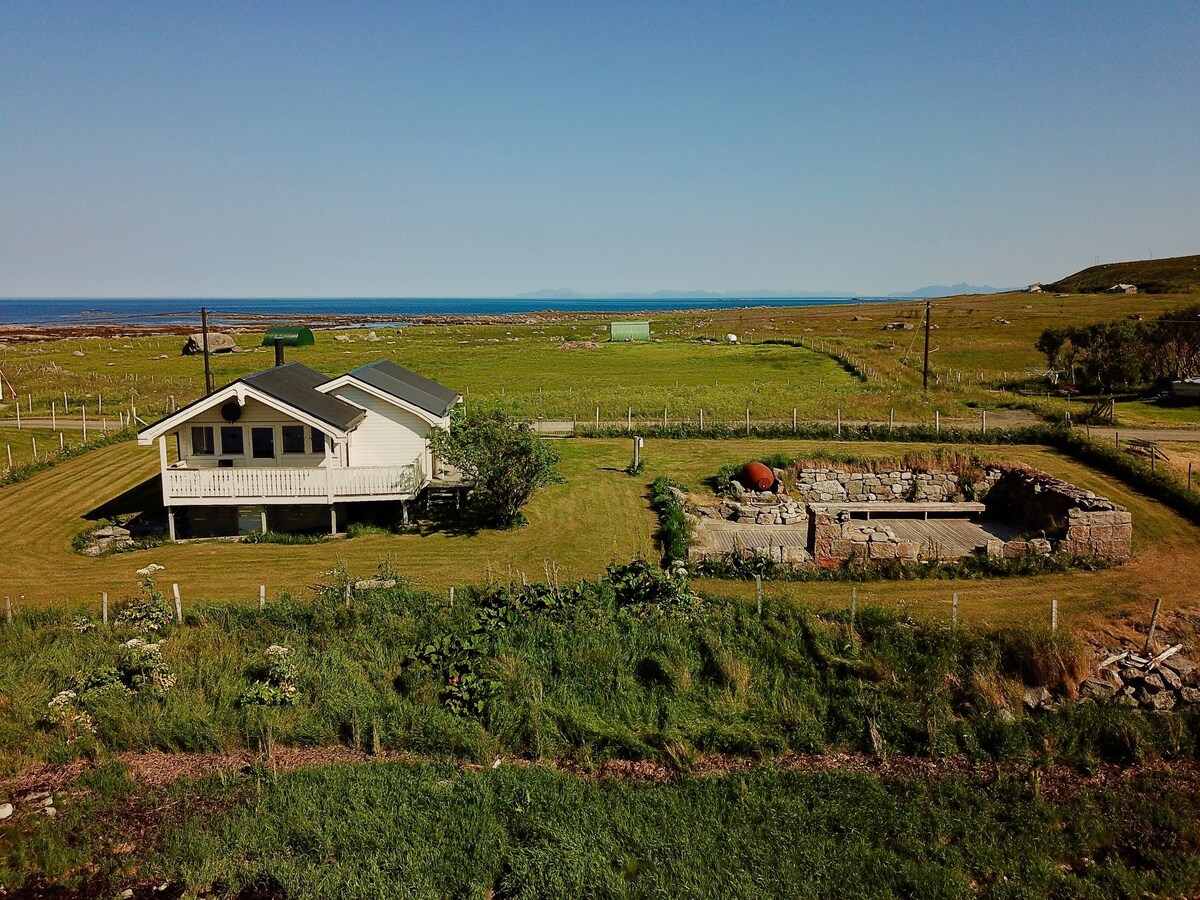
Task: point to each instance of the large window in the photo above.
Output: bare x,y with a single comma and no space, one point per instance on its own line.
262,443
233,440
293,438
202,440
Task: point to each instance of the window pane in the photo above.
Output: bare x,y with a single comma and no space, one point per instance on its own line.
293,438
262,443
318,441
202,440
232,440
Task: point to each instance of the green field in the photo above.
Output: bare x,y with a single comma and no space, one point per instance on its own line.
975,361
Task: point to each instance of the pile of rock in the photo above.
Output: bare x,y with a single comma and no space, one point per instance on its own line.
778,512
112,538
1155,683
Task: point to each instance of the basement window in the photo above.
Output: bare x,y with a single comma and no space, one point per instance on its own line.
202,440
293,438
262,443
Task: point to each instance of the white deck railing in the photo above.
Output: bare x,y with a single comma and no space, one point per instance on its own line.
297,485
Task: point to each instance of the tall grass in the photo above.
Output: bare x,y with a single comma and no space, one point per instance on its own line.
352,831
582,672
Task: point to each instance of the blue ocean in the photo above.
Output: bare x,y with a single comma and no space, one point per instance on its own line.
78,311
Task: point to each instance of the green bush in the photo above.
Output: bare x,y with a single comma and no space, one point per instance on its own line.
674,531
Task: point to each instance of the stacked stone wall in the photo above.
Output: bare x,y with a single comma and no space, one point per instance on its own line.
838,485
1051,515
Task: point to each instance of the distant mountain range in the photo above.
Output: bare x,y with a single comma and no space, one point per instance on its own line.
951,290
933,290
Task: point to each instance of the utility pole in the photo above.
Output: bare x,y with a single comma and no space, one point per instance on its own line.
925,371
208,383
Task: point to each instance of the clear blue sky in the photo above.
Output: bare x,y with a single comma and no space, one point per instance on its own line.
484,149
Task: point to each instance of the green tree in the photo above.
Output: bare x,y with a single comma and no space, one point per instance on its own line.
504,458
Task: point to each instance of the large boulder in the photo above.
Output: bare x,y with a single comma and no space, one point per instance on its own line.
217,343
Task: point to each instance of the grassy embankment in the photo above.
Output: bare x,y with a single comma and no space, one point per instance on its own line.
577,677
599,515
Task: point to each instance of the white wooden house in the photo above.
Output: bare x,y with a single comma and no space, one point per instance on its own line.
286,448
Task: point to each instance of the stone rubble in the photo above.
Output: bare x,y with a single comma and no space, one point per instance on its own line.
1152,683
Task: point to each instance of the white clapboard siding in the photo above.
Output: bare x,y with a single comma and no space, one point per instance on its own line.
387,434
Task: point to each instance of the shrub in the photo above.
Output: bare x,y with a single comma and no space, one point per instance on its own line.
273,681
506,461
285,537
149,612
644,587
674,530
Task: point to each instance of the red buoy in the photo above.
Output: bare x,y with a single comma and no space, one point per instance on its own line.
756,477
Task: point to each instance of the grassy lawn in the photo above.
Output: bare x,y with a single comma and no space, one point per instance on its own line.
599,515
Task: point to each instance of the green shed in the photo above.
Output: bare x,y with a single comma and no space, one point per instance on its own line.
288,336
629,331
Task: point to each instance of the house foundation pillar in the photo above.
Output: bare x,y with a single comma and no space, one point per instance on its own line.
171,523
332,519
404,512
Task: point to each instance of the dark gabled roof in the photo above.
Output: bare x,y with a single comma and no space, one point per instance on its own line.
408,386
295,384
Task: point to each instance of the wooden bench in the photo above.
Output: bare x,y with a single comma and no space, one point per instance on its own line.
884,507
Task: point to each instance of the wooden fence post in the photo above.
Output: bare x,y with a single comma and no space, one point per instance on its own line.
262,596
839,421
793,420
853,607
104,607
8,447
629,420
8,609
758,593
954,609
1054,614
747,420
1153,625
937,422
597,418
1189,470
53,416
178,604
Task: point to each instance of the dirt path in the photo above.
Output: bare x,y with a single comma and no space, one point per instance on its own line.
158,770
